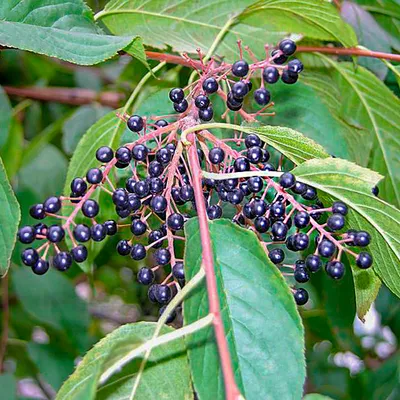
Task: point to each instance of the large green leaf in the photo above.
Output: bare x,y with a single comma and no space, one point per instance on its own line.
369,103
59,28
352,184
166,375
9,219
185,26
12,150
51,299
264,330
105,132
5,117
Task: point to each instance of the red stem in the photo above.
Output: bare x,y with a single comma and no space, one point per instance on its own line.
231,390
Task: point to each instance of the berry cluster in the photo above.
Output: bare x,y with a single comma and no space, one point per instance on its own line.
158,196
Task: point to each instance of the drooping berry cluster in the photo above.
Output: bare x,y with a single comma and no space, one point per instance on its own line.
157,198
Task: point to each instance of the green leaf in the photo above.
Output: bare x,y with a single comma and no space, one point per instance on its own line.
5,117
61,28
45,174
9,219
105,132
368,102
352,184
301,107
369,34
54,364
166,375
8,386
257,308
12,150
78,123
51,299
160,23
290,143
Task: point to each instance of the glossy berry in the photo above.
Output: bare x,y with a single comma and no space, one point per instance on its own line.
138,252
364,260
240,68
244,187
301,219
375,190
120,197
278,57
214,212
163,294
123,155
142,189
339,207
335,269
216,155
161,123
362,239
134,202
138,227
232,103
255,184
79,253
78,186
145,276
210,85
186,193
178,271
313,262
90,208
155,169
287,47
140,152
40,229
300,241
154,236
162,256
62,261
82,233
156,185
239,90
279,231
252,140
261,224
55,233
26,234
123,247
176,95
287,180
29,257
259,207
289,77
206,114
202,101
262,96
295,67
336,222
135,123
151,293
175,221
300,296
94,176
254,154
104,154
235,196
326,248
241,164
299,188
277,209
40,267
270,75
309,194
276,256
301,274
181,107
163,156
52,205
158,204
37,211
98,232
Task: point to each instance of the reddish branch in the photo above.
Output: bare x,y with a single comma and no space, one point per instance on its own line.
232,392
75,96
